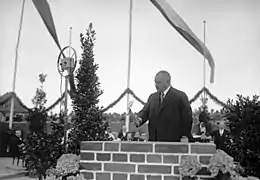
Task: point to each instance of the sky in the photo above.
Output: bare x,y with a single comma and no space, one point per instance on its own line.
232,36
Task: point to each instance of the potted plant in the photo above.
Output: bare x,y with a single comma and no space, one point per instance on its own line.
67,168
223,167
189,167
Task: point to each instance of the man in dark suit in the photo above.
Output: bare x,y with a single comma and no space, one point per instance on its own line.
168,111
220,135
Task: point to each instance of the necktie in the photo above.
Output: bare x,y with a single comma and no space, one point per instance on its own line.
162,96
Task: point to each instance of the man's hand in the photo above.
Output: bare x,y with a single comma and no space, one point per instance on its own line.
184,139
138,121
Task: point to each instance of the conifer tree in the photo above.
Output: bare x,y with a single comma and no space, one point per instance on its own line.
89,121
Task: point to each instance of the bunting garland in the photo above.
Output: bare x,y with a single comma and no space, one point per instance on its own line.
197,95
115,102
56,102
120,97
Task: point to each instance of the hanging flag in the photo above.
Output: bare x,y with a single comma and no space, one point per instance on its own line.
179,24
45,12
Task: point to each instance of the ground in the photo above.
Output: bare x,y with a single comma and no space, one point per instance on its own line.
9,171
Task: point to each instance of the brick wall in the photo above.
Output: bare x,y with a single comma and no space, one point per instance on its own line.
140,160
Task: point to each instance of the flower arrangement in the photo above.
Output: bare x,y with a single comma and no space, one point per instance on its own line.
189,167
67,168
223,166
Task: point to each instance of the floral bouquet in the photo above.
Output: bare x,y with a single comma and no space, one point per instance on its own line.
67,167
189,167
221,164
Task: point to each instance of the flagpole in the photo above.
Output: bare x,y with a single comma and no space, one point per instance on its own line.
66,99
129,63
204,64
15,67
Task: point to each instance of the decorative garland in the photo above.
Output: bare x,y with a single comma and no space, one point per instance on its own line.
6,97
211,96
216,100
72,93
127,91
56,102
196,96
115,102
137,98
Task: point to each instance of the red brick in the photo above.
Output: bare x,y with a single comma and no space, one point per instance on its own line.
137,177
153,177
91,166
204,159
203,148
117,167
185,156
111,146
103,176
171,178
171,148
171,159
87,175
91,146
137,157
176,170
117,176
154,169
103,156
87,156
136,147
119,157
155,158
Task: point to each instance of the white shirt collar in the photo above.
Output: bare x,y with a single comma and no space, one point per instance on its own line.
221,131
166,90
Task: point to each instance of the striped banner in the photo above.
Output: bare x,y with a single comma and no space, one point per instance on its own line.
179,24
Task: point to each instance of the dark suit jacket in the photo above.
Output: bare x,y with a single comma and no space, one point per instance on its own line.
122,136
15,142
170,120
220,140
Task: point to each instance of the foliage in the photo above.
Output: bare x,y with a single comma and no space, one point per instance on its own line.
221,164
18,118
244,123
37,119
67,167
39,99
42,149
88,86
89,121
38,116
189,166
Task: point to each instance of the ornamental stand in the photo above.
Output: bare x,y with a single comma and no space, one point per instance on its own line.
66,66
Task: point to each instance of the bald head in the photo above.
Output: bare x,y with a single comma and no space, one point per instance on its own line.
221,124
162,80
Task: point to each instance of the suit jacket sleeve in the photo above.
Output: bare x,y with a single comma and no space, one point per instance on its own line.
186,116
144,113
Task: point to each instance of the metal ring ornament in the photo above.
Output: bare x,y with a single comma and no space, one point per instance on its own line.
65,54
